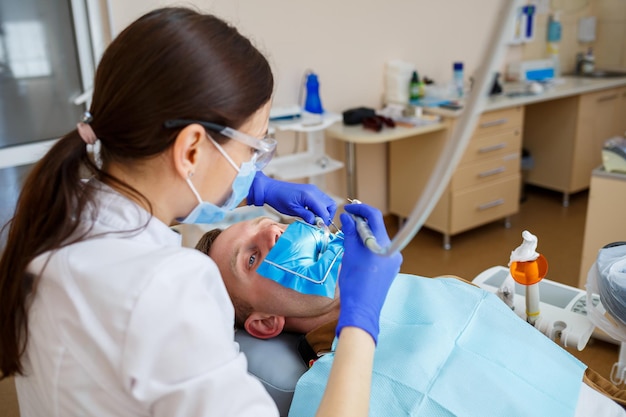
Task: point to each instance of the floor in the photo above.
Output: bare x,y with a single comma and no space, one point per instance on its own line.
560,236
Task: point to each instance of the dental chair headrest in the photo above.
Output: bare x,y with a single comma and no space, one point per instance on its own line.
276,363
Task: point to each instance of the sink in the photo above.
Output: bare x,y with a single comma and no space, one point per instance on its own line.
602,74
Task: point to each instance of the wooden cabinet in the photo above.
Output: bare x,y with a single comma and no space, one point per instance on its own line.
565,138
485,186
604,223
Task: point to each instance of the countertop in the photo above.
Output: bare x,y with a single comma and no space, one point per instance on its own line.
357,134
564,87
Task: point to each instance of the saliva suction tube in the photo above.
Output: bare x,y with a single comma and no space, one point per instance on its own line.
455,146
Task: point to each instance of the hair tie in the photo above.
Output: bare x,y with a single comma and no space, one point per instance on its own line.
86,133
85,130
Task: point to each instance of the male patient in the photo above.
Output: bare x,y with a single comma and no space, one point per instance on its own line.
445,347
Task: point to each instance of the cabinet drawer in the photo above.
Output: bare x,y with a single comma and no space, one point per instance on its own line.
498,120
479,205
487,171
492,146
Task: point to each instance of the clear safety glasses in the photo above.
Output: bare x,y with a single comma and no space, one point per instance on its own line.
263,148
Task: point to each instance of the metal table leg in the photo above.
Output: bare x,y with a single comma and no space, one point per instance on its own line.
351,169
565,199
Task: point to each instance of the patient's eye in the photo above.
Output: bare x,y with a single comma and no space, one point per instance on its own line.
252,260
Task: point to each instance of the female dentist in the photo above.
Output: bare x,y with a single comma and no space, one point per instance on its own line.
102,313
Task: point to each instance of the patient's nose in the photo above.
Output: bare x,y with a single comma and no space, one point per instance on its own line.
270,236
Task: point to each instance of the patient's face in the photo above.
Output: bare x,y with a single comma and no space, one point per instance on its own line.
239,250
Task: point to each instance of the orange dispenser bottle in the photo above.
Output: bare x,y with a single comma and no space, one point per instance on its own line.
527,268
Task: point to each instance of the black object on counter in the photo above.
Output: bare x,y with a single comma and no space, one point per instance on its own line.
496,88
355,116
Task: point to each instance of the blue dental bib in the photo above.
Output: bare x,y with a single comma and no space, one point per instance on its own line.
449,349
306,259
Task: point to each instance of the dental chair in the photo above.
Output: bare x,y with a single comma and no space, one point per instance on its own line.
276,363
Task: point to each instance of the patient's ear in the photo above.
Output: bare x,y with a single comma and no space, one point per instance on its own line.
264,326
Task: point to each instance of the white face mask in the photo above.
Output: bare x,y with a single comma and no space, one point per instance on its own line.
206,212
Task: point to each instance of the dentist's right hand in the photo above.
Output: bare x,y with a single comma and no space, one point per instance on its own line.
365,277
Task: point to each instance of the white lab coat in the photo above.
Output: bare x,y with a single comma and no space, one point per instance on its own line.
131,324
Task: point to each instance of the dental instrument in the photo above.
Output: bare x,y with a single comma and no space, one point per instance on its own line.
319,222
364,231
462,131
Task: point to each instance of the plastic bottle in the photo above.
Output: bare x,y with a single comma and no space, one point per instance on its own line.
414,87
527,268
554,28
313,110
458,78
313,103
589,62
554,37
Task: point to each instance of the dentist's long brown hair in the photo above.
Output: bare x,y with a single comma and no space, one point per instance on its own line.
172,63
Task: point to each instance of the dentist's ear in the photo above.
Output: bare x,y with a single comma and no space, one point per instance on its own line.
185,148
264,326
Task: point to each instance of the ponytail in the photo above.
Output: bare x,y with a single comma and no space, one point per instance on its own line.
47,215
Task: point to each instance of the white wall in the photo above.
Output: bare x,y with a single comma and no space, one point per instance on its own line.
347,42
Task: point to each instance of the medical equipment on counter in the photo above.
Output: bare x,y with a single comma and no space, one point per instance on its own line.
531,70
528,268
563,308
614,155
607,277
461,133
285,112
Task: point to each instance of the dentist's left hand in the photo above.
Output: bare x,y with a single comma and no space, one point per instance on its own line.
303,200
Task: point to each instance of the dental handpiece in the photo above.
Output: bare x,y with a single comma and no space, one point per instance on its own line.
365,233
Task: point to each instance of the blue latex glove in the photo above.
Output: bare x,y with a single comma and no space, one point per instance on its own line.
365,277
302,200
